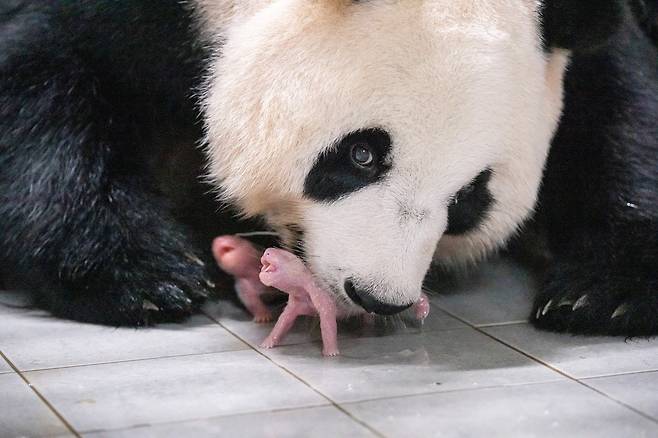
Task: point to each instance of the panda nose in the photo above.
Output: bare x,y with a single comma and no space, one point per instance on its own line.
365,298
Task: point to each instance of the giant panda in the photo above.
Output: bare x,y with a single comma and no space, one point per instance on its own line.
375,138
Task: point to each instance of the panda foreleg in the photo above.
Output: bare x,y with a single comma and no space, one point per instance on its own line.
79,225
599,200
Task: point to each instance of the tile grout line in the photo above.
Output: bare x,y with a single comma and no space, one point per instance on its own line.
121,361
501,324
41,396
622,374
214,417
452,391
553,368
296,377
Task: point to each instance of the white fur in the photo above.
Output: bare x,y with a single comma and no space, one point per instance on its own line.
460,85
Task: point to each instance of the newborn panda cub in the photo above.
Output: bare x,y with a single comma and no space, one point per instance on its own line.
284,271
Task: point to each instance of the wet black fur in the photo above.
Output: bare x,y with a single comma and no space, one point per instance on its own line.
580,24
98,169
647,13
599,202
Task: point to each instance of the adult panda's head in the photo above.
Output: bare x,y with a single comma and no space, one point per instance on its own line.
378,135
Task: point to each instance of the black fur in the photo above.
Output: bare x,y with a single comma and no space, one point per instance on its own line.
334,175
599,201
93,97
647,13
470,205
580,24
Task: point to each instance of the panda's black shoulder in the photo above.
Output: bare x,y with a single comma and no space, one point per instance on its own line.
647,14
580,25
605,152
145,45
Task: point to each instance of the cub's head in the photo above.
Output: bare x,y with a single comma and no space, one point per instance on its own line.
376,136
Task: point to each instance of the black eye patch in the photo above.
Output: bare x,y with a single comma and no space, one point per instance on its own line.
356,161
470,205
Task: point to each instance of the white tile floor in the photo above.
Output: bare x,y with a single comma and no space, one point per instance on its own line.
475,369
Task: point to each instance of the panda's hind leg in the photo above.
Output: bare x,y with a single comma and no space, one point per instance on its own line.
80,225
599,199
605,289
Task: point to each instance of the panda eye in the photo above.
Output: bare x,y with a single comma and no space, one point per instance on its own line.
362,155
353,162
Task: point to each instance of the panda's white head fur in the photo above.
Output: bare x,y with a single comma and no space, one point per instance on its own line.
358,123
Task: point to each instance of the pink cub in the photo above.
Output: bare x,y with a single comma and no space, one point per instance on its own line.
239,258
287,273
284,271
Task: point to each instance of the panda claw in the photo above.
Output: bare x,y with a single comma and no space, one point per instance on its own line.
547,308
581,302
566,302
620,311
538,314
210,284
149,305
194,259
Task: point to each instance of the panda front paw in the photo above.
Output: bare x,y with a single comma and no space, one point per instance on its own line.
176,295
134,297
597,302
152,281
162,277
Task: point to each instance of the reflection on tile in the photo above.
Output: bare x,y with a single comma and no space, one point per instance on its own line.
564,409
308,329
497,292
11,300
240,322
23,414
410,364
637,390
307,423
34,340
128,394
581,356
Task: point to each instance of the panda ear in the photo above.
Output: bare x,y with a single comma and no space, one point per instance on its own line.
580,24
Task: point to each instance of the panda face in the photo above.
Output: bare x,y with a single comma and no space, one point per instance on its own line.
377,136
